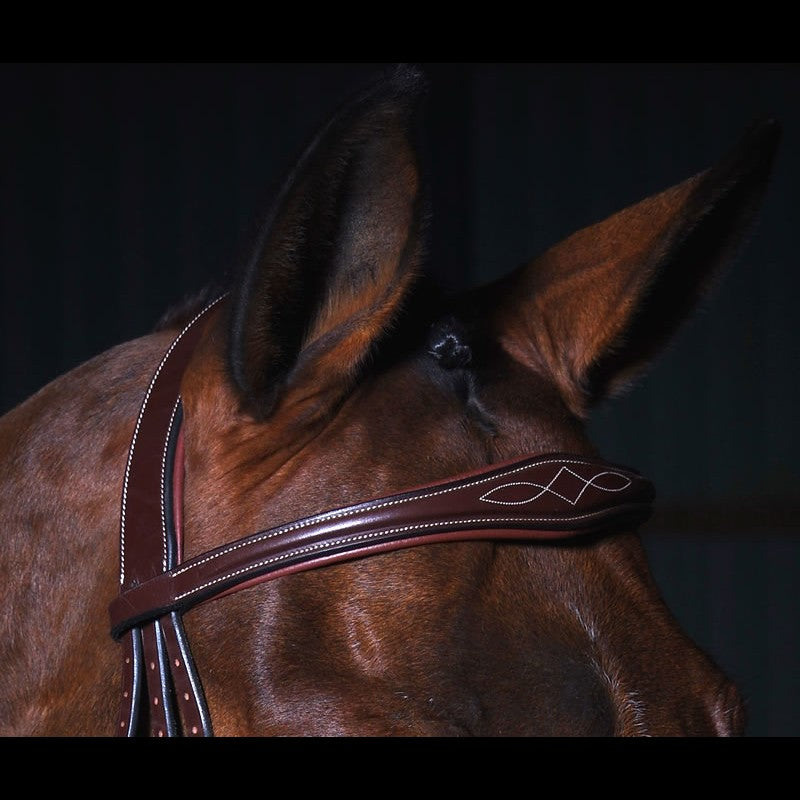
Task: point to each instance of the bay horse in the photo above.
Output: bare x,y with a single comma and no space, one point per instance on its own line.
217,528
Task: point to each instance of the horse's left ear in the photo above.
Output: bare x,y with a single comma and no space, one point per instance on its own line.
336,256
596,308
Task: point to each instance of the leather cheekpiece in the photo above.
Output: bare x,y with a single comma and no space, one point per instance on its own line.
550,497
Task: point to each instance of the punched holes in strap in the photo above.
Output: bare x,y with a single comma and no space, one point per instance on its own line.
157,667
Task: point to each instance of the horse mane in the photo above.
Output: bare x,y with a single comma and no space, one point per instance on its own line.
179,314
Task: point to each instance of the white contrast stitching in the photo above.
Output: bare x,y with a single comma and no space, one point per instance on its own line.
348,512
586,485
344,541
136,435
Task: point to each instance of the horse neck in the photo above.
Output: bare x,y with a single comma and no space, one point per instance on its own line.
62,462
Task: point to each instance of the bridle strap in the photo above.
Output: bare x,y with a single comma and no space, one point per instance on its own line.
160,686
549,497
541,498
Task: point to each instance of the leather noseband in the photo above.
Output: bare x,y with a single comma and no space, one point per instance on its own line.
555,496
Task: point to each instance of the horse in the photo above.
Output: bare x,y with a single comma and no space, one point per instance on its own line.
332,499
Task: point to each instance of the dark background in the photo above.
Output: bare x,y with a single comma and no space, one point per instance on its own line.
124,186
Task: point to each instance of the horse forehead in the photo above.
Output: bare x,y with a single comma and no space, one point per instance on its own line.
421,392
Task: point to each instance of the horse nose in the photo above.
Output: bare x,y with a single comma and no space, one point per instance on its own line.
728,711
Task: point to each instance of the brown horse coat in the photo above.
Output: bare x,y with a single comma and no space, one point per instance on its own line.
334,373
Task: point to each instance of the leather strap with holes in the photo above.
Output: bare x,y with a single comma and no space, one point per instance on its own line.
161,694
541,498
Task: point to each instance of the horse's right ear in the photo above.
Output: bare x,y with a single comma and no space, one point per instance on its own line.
335,257
596,308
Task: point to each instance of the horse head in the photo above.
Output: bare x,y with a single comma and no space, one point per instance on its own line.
333,371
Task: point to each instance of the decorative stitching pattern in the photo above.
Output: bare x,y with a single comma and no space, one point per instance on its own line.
348,512
549,488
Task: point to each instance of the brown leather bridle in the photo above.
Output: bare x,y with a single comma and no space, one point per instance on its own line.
553,496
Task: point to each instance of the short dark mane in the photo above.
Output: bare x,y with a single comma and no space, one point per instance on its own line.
181,313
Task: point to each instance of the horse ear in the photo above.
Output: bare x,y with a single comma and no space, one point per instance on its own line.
336,255
595,309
